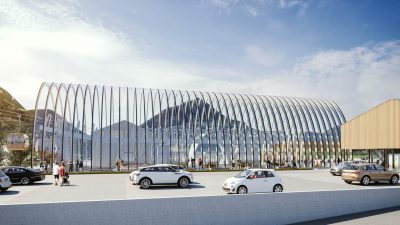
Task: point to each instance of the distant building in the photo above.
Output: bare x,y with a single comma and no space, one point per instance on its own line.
375,135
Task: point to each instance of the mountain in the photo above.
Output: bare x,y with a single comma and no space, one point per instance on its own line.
10,110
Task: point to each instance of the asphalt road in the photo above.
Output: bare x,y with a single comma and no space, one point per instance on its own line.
118,186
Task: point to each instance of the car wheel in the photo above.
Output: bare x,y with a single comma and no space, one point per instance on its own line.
242,190
183,182
365,180
348,181
3,189
145,183
394,179
277,188
25,180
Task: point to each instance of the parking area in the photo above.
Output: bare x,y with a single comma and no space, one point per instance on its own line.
118,186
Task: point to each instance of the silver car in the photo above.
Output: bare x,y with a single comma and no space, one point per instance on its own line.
5,182
337,170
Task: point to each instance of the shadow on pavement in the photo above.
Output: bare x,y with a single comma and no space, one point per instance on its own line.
173,187
9,192
345,218
34,184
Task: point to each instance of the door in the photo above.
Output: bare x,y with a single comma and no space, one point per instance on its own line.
257,182
383,173
16,174
168,175
270,181
372,172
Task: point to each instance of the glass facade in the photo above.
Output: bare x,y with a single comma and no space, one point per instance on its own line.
100,124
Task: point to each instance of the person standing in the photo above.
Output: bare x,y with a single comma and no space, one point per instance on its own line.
77,165
80,166
192,161
70,166
41,166
56,173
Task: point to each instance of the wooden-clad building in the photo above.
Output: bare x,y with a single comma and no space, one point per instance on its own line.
376,134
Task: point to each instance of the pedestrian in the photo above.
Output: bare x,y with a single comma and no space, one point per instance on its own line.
56,173
41,166
70,166
76,165
61,170
192,160
269,164
45,165
81,166
200,161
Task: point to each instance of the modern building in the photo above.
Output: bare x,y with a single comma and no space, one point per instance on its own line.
375,135
100,124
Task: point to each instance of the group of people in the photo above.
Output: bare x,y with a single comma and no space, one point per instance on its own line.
44,166
58,172
78,166
199,161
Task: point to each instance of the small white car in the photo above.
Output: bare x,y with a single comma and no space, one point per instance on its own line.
161,174
254,181
5,182
176,167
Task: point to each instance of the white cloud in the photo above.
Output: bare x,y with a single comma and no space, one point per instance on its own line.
289,3
38,46
257,55
357,79
252,11
224,4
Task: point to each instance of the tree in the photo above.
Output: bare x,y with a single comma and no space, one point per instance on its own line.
18,158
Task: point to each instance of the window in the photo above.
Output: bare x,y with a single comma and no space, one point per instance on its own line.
269,174
259,174
369,167
378,167
19,170
149,169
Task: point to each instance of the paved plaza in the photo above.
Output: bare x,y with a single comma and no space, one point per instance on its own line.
118,186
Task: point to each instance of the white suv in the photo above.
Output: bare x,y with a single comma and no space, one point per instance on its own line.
161,174
253,180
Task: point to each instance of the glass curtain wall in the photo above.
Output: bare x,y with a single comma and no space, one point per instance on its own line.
99,125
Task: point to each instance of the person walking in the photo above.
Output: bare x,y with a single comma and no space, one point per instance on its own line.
62,171
56,173
200,161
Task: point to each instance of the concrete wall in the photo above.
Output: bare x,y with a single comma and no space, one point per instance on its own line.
280,208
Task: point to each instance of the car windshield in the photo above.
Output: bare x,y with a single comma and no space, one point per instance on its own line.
2,174
243,174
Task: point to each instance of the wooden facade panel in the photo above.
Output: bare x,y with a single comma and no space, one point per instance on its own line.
378,128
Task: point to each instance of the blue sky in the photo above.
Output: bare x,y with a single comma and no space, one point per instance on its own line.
346,51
